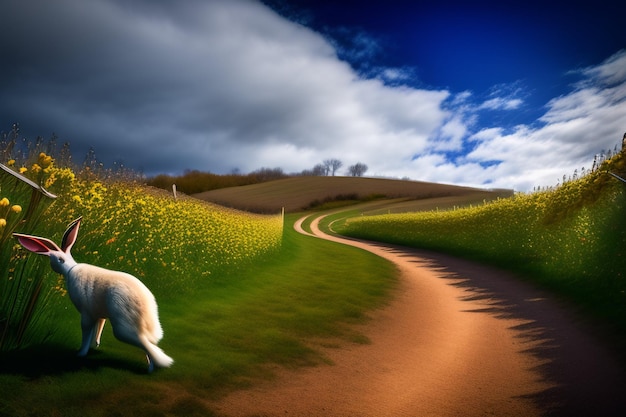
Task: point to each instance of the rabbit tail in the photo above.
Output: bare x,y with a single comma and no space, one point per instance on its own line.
152,325
155,354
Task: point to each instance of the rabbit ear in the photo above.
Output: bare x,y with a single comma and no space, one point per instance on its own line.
36,244
70,235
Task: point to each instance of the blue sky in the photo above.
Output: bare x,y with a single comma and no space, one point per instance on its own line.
487,94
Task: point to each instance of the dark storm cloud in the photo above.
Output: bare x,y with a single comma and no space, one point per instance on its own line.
117,75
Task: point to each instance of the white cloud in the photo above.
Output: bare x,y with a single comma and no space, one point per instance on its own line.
449,136
394,75
575,127
500,103
611,71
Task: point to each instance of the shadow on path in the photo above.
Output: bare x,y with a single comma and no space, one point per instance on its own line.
587,373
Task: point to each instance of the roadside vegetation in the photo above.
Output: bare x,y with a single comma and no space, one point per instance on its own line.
571,239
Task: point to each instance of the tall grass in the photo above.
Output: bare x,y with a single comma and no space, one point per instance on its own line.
571,239
22,287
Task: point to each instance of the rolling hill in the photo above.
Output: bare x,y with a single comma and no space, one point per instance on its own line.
300,193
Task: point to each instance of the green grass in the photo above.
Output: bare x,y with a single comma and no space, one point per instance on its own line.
222,335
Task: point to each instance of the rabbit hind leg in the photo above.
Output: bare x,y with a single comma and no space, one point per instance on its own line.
99,328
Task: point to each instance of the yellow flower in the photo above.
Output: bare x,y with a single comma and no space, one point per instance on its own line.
11,162
3,222
35,168
4,202
23,170
44,160
16,208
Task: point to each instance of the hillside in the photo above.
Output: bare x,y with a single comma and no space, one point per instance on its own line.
299,193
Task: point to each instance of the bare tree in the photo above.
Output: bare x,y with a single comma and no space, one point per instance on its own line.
332,165
319,170
357,170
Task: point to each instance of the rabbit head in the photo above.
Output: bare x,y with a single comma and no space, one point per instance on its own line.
61,259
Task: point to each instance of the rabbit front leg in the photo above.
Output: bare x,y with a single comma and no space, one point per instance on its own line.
88,327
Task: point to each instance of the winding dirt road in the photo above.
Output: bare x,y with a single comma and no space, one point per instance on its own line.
458,339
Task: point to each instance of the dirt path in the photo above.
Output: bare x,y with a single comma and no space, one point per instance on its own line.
458,339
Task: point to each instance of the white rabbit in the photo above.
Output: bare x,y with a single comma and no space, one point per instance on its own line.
100,293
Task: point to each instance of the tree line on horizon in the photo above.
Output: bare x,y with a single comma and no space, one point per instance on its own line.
195,181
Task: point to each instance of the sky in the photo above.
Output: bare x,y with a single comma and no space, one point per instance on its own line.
491,94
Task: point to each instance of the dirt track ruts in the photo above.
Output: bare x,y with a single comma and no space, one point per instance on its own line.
458,339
